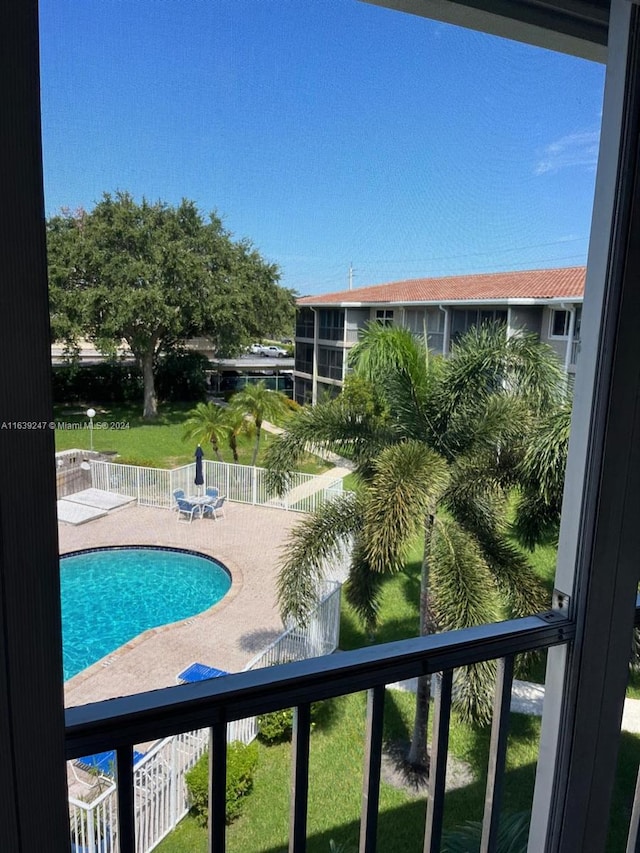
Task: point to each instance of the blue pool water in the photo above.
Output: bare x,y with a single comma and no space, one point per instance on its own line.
111,595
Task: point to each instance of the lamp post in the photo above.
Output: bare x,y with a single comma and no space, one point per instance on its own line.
91,413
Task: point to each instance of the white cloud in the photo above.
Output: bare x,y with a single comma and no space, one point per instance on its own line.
575,149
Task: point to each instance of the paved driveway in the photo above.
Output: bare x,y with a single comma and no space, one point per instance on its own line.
248,541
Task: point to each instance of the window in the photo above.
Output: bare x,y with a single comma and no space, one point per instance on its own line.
305,323
559,324
465,319
384,316
303,393
331,324
304,358
330,362
327,392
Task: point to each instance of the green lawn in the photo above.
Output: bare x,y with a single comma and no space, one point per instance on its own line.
334,807
159,444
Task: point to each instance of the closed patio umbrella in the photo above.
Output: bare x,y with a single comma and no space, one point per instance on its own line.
199,480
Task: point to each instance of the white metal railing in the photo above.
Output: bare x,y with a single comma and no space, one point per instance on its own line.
160,791
240,483
150,486
160,798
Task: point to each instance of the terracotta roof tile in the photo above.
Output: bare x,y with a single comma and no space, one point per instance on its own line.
562,283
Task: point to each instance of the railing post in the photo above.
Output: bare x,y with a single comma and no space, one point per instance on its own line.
372,765
91,834
438,762
217,787
254,485
173,781
300,779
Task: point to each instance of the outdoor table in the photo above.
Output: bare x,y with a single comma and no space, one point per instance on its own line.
201,501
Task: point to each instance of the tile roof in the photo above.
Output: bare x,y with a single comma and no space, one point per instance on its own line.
564,283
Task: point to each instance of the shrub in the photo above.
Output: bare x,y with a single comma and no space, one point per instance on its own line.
277,726
241,765
181,377
108,382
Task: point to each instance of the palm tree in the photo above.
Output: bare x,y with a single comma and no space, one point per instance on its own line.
436,453
207,423
237,424
260,404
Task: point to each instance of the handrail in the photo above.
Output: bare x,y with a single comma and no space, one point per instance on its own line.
154,714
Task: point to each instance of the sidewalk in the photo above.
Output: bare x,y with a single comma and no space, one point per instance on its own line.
342,466
528,698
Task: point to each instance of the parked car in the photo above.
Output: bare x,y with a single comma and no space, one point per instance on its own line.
268,350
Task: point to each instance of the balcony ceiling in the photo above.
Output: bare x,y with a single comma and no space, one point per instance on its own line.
577,27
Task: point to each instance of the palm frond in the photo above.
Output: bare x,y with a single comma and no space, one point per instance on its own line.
513,835
481,513
315,541
485,361
384,350
541,474
331,426
407,481
464,594
464,591
363,587
399,365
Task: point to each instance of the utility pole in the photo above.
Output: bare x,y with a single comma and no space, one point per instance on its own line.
351,271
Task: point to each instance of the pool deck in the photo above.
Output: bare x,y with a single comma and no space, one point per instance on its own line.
248,541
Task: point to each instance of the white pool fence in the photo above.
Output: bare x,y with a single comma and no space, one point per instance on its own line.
240,483
161,798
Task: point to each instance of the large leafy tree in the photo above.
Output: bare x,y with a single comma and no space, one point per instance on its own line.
154,275
438,448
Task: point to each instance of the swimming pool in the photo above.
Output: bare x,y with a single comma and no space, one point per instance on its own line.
110,595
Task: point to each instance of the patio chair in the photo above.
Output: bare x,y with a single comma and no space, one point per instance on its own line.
199,672
186,510
212,492
177,495
214,508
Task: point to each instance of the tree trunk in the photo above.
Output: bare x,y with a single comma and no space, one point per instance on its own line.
257,444
150,409
233,441
418,756
216,449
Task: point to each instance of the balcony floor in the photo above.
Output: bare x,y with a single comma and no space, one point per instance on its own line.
247,541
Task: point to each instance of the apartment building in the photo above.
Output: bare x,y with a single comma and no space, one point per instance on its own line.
546,302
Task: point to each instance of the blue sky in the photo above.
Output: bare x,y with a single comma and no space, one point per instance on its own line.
329,132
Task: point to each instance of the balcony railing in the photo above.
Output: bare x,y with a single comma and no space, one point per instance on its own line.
121,723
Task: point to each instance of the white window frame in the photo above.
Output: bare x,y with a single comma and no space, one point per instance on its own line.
387,316
567,320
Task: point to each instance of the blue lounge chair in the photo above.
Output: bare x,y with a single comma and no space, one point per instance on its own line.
199,672
186,509
104,763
